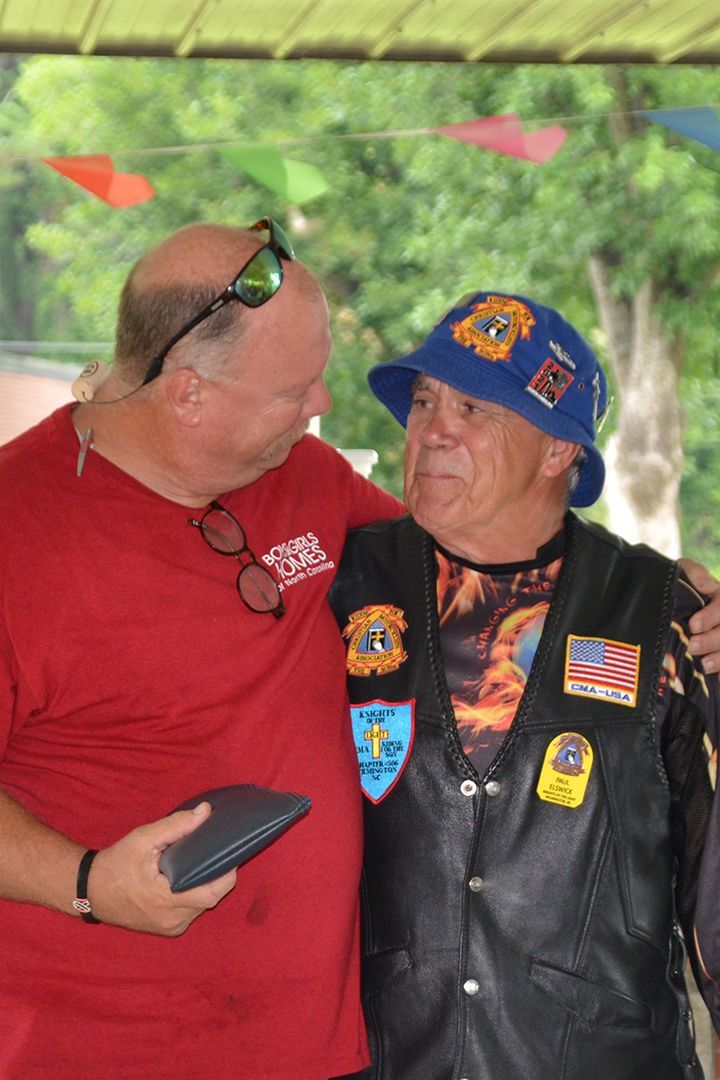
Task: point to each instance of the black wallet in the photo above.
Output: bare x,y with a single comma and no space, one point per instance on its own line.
245,819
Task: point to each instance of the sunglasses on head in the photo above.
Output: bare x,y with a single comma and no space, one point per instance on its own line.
258,280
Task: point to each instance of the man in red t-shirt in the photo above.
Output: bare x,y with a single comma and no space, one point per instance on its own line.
138,669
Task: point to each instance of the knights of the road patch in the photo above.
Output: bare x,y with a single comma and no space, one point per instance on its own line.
383,733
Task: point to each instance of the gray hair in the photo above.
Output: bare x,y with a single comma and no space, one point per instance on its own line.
573,476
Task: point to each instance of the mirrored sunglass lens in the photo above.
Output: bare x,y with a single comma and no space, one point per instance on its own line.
258,588
281,241
260,279
222,532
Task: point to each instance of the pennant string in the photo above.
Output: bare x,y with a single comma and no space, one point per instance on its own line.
300,182
361,136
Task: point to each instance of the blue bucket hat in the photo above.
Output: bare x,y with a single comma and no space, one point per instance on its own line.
517,353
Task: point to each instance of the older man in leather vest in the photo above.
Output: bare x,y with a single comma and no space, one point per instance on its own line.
533,734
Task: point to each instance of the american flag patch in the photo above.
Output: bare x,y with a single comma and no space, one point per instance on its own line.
599,668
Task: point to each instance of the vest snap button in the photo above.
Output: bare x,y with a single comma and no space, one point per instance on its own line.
468,787
492,788
471,987
476,884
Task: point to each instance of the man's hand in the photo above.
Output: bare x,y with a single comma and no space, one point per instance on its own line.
705,624
126,888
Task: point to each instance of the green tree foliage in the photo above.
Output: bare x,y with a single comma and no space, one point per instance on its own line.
410,223
700,490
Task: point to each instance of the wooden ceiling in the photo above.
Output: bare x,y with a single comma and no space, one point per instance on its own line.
542,31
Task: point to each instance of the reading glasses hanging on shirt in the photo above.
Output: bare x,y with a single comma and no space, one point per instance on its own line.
257,587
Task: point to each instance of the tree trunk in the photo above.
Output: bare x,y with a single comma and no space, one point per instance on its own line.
644,455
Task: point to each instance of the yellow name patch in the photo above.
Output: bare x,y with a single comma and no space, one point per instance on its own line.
566,770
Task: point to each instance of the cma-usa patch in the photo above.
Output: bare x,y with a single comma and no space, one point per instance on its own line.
494,326
383,733
601,668
549,383
375,643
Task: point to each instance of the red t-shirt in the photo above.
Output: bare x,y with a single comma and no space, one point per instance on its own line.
131,678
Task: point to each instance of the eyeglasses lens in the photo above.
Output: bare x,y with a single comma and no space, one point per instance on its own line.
260,279
222,532
256,585
257,588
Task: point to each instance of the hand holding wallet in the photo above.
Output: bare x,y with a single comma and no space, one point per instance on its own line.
245,819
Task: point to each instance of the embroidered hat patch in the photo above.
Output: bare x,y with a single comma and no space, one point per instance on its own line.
493,327
549,383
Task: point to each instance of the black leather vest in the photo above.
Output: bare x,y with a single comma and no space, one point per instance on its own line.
507,937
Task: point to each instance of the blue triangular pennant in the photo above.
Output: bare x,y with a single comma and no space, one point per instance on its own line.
701,124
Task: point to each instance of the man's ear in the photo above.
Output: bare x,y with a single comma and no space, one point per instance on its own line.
560,456
184,390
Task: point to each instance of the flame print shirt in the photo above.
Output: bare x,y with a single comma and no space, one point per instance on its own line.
491,619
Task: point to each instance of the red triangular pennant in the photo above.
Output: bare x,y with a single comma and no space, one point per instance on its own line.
505,135
97,174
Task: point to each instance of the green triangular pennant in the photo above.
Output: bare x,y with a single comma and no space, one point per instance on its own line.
296,181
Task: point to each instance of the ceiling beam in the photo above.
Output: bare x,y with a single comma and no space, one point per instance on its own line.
194,28
93,25
666,56
395,31
294,30
599,28
489,37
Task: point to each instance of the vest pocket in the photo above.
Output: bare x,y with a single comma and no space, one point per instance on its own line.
591,1002
381,969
